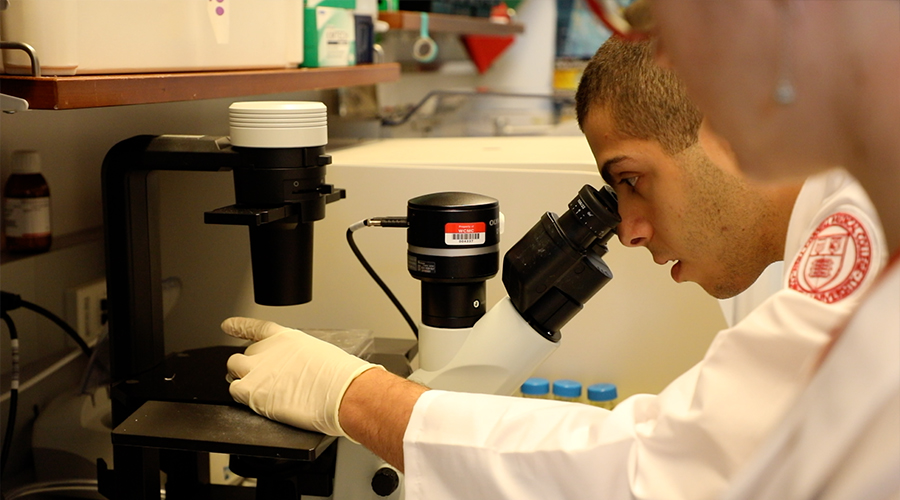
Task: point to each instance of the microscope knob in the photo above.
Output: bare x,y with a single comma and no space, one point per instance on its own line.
385,481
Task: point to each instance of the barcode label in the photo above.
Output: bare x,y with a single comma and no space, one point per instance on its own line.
464,233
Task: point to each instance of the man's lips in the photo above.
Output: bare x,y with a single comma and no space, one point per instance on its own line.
662,260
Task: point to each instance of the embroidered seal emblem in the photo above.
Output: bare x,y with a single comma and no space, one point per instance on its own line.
834,261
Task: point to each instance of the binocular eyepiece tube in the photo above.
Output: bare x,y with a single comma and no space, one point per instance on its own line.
557,266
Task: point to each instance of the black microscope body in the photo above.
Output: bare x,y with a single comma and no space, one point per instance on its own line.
170,411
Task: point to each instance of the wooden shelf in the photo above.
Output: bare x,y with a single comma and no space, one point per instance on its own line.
447,23
93,91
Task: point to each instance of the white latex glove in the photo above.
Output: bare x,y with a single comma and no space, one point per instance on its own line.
289,376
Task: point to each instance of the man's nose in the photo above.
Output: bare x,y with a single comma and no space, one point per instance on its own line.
634,231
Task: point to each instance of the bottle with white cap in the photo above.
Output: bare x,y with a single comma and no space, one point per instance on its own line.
26,205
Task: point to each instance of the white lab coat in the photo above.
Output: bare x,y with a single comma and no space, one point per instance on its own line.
689,441
841,440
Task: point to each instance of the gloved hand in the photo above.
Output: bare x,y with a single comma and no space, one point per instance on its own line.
289,376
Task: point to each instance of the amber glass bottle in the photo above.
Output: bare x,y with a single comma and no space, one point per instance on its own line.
26,205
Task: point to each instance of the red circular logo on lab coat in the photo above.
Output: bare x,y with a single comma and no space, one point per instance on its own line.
834,261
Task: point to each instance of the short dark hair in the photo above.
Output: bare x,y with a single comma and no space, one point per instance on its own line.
644,100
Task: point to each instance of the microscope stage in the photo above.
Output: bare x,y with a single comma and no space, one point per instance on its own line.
216,429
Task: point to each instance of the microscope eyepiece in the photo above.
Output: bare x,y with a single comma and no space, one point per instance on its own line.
557,266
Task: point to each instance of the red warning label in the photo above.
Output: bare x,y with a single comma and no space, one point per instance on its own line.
834,261
464,233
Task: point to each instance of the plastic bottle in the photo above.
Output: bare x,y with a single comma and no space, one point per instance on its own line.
536,387
26,205
567,390
602,395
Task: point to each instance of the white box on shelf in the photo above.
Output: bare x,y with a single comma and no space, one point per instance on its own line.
137,36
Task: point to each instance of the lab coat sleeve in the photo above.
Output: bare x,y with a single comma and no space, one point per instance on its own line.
842,438
686,443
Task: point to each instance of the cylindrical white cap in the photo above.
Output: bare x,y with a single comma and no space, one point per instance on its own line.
26,162
278,124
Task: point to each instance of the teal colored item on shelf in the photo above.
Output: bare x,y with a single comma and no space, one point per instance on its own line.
340,4
329,37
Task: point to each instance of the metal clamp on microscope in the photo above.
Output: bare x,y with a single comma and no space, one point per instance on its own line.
276,152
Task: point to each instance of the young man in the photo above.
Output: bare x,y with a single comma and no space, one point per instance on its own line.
681,194
681,199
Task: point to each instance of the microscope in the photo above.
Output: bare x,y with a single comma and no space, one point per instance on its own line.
453,249
170,411
549,274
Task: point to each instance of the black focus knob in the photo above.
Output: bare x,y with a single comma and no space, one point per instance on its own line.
385,481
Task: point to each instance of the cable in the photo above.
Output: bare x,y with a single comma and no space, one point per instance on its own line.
50,370
11,301
13,391
381,222
8,302
63,486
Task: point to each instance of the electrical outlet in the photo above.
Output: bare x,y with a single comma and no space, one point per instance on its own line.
86,309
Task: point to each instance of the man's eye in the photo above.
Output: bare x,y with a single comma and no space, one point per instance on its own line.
631,181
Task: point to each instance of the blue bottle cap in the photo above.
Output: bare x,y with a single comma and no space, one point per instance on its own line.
602,392
536,386
567,388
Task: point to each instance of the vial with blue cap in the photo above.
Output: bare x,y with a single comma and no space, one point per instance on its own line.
567,390
535,387
602,395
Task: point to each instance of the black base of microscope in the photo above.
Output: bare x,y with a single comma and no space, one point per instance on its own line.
185,412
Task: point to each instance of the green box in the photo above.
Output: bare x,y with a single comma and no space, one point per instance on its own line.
340,4
329,37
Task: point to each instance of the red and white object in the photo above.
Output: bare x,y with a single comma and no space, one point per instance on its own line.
464,233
